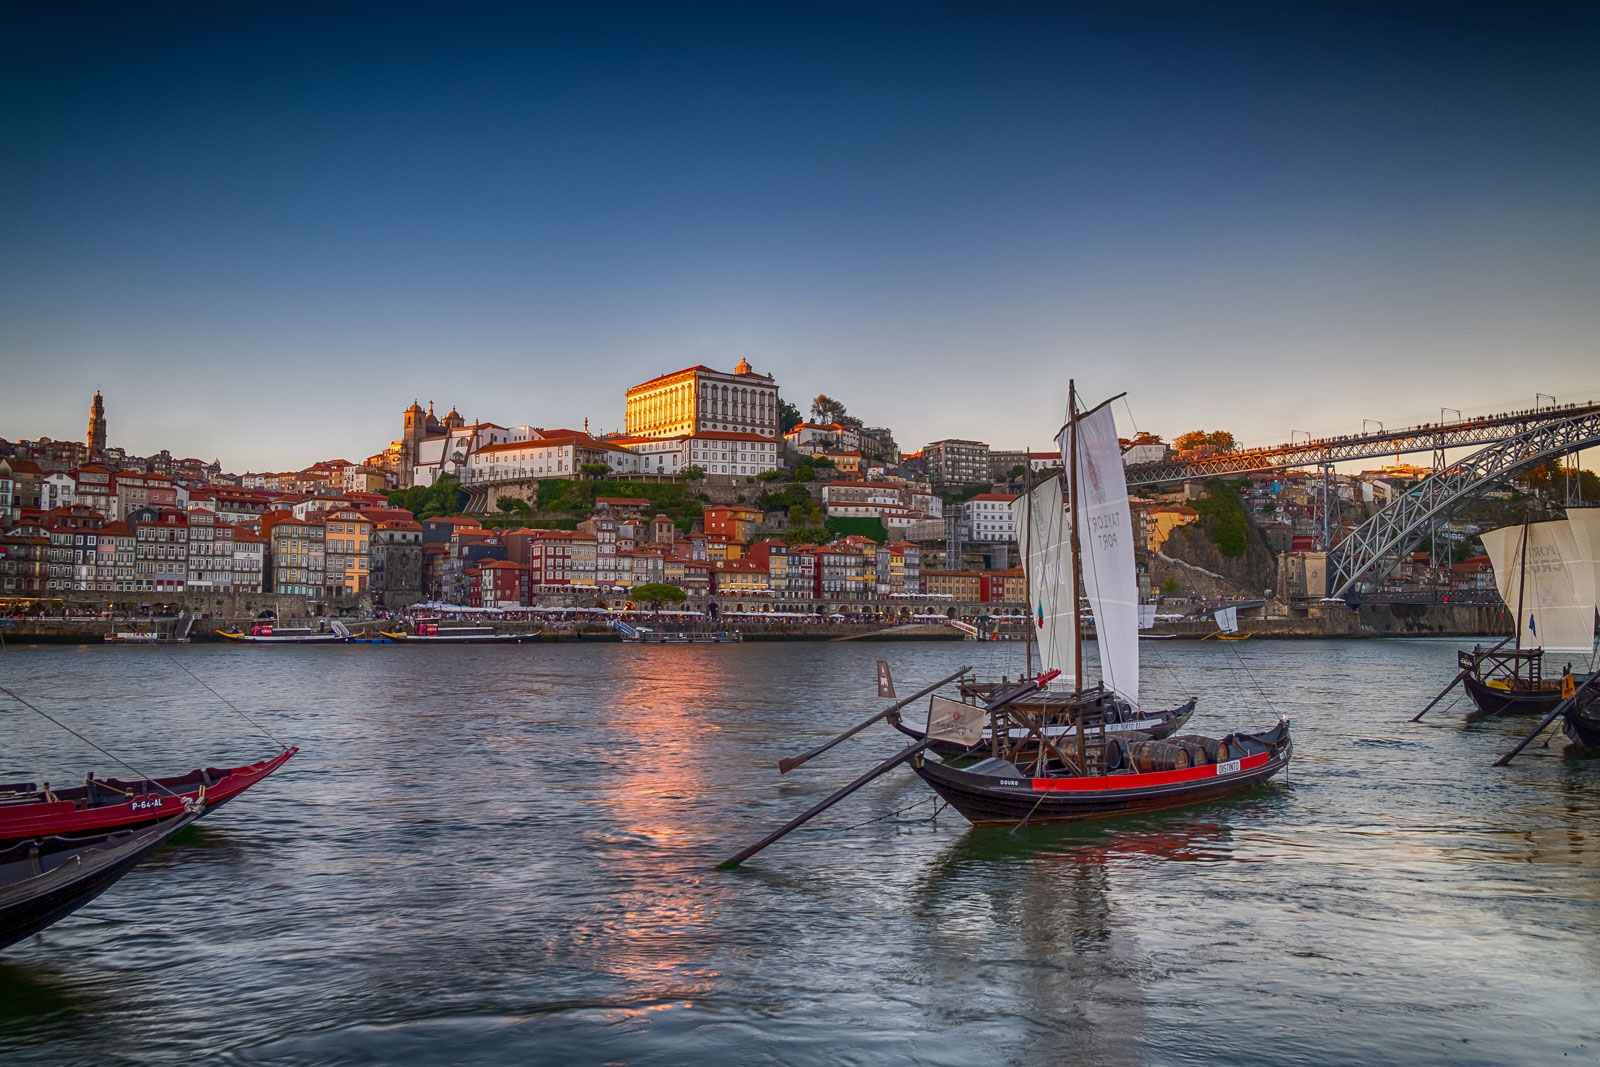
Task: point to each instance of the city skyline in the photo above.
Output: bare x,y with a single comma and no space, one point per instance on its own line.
262,240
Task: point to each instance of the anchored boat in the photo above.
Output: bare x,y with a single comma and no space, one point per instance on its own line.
1056,761
1547,573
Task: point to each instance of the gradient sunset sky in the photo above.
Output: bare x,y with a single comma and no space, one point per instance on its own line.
263,232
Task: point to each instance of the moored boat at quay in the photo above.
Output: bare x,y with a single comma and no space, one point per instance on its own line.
267,634
428,631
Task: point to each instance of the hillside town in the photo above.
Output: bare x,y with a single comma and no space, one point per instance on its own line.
715,486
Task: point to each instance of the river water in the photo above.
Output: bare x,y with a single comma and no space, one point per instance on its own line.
503,855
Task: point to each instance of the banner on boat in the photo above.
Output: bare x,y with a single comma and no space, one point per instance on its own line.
1227,620
951,720
1147,616
1542,576
1105,543
1044,536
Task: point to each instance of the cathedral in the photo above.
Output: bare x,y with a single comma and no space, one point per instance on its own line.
419,427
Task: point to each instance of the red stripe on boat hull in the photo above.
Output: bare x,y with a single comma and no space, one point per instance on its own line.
1137,781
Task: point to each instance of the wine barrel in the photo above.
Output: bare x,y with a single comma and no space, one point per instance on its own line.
1204,749
1159,755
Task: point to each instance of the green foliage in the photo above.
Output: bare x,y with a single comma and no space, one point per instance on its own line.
1016,472
694,473
822,461
512,505
860,527
595,470
1170,585
1224,517
806,535
826,410
805,472
443,497
964,493
657,593
671,499
788,416
805,513
770,476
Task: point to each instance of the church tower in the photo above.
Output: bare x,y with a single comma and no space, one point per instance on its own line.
416,430
97,426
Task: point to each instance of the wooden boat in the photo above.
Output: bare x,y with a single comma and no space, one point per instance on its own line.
101,805
998,792
429,631
43,880
1056,761
1581,724
643,635
267,634
1554,601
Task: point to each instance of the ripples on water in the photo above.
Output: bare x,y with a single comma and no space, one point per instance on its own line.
493,855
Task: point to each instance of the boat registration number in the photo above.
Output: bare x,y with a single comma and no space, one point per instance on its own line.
145,804
1228,768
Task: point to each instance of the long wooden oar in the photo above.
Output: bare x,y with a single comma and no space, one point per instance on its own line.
1456,680
1505,761
882,768
790,763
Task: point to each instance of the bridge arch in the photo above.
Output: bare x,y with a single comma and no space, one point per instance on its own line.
1375,547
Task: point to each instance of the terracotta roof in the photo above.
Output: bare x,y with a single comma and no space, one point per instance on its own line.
1008,497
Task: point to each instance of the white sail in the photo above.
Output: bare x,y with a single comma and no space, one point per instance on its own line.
1227,619
1046,544
1556,601
1586,532
1105,545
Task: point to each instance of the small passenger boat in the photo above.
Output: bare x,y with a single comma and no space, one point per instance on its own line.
268,634
45,879
28,809
429,631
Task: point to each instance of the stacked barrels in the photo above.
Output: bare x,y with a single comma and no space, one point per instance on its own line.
1175,753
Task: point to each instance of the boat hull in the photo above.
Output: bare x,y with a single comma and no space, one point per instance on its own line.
986,799
1582,724
297,639
1498,701
62,876
77,811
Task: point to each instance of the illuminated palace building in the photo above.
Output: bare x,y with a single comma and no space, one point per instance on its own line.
700,399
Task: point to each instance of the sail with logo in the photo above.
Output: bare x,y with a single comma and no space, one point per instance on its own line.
1106,547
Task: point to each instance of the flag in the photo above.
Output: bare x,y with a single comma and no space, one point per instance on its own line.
951,720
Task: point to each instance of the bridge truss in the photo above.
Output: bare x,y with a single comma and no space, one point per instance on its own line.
1375,547
1431,438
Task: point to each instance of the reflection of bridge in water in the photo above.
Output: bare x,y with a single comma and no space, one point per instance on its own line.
1513,443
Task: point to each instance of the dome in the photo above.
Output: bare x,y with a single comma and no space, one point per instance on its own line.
743,367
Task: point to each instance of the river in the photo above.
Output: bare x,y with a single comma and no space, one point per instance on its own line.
504,855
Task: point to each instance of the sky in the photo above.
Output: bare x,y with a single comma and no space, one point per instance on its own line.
263,231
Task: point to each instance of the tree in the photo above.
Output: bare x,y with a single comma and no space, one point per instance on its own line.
1220,440
825,409
788,416
695,473
595,470
770,476
805,514
822,461
657,593
805,472
805,535
510,504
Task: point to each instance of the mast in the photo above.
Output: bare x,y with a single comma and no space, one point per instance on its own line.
1077,563
1027,568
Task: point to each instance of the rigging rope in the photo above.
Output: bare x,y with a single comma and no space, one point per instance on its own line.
104,752
228,702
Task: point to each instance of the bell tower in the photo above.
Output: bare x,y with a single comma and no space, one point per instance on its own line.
97,426
416,430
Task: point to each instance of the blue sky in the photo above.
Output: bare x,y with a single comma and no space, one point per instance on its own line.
263,233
